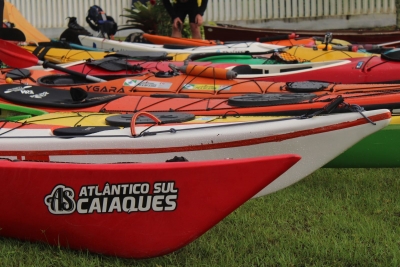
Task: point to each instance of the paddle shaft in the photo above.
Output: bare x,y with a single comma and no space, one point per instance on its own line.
47,64
389,43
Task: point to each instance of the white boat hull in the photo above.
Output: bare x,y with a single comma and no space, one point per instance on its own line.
276,70
317,140
112,45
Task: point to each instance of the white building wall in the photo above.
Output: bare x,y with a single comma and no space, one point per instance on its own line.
50,16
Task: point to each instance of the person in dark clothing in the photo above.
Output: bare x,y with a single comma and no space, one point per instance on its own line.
182,8
1,11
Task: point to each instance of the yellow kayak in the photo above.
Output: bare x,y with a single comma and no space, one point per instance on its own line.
335,42
312,55
395,120
62,55
76,119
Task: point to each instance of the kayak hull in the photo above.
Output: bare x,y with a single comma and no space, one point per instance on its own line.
375,151
379,150
364,70
112,45
237,33
132,210
198,85
317,140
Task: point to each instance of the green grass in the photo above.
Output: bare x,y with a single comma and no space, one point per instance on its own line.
334,217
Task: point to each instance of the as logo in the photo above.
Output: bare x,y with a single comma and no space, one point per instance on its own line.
61,200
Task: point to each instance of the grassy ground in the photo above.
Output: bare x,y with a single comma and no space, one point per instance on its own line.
334,217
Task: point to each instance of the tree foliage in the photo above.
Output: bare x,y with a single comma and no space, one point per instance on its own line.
151,17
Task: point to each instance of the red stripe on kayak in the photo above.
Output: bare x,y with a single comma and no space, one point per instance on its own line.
248,142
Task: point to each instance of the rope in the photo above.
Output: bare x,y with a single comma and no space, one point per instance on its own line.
357,108
334,104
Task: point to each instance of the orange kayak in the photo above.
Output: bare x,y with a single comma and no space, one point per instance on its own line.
284,40
166,40
100,68
197,82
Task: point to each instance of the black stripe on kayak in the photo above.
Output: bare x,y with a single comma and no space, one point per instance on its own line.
55,44
41,51
177,46
52,97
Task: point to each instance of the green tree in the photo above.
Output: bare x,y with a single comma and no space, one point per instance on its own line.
151,17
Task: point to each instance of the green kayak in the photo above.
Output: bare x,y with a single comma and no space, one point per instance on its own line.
379,150
9,112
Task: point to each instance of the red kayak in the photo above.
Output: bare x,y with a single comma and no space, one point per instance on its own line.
205,81
134,210
226,32
364,70
374,69
283,40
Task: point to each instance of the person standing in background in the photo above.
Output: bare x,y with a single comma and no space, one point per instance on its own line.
182,8
1,11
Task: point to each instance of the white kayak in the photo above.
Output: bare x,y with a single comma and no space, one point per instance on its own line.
317,140
278,70
113,45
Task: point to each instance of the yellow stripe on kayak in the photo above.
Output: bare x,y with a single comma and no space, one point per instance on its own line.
72,119
61,55
312,55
